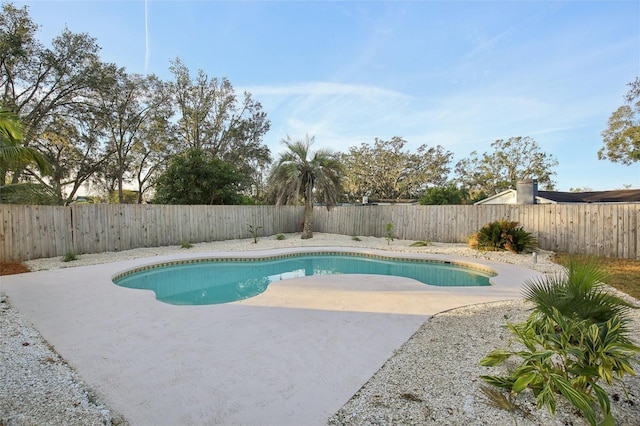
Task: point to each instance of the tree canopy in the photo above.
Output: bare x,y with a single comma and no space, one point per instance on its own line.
384,171
511,160
622,136
96,123
197,177
212,118
444,195
301,173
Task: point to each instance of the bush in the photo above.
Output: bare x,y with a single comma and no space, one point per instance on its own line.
69,256
575,337
281,237
503,235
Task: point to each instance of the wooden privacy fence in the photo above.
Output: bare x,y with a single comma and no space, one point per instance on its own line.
31,232
610,230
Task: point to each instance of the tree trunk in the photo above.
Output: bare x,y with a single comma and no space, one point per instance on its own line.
307,229
120,194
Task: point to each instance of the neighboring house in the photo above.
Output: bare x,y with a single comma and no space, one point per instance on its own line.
527,193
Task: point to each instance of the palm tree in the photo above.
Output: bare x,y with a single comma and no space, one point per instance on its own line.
298,172
12,152
579,294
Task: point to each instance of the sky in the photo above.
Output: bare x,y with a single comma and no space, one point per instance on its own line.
460,74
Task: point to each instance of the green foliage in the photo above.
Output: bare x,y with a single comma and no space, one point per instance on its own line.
498,399
299,173
511,160
444,195
622,136
128,197
69,257
389,233
356,238
281,237
503,235
198,178
385,170
186,245
423,243
12,152
254,231
575,338
27,193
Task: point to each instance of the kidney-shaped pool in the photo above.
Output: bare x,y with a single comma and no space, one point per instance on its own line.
222,280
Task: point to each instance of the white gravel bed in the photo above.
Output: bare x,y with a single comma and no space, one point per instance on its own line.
432,379
38,387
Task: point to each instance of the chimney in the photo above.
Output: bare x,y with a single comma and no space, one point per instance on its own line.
527,191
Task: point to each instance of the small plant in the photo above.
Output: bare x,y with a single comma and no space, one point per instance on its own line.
186,245
499,399
356,238
280,237
70,256
389,233
575,337
423,243
503,235
254,231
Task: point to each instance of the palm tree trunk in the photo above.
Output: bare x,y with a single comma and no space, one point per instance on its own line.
307,229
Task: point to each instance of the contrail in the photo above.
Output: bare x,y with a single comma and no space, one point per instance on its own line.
146,36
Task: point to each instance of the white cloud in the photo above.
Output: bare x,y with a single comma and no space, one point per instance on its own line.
322,89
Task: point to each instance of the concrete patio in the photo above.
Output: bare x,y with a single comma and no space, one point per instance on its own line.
292,355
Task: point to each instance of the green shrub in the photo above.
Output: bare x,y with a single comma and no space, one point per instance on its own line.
389,232
503,235
186,245
356,238
254,231
575,338
69,257
280,237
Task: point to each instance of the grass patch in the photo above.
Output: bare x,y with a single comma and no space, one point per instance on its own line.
624,274
356,238
424,243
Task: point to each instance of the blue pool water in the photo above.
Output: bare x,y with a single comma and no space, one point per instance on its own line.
220,281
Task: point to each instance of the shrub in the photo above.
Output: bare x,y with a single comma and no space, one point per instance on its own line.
389,232
423,243
186,245
503,235
254,231
281,237
575,338
356,238
69,257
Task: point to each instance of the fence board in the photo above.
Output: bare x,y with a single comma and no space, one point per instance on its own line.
29,232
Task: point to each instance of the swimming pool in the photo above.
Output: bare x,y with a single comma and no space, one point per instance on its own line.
223,280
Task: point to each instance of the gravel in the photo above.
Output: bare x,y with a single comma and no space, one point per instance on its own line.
432,379
38,386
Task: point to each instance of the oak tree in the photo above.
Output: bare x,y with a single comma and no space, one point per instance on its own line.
622,136
510,160
384,170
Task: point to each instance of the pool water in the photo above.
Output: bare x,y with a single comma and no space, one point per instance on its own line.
221,281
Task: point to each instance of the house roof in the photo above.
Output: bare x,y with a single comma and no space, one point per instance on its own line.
616,196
